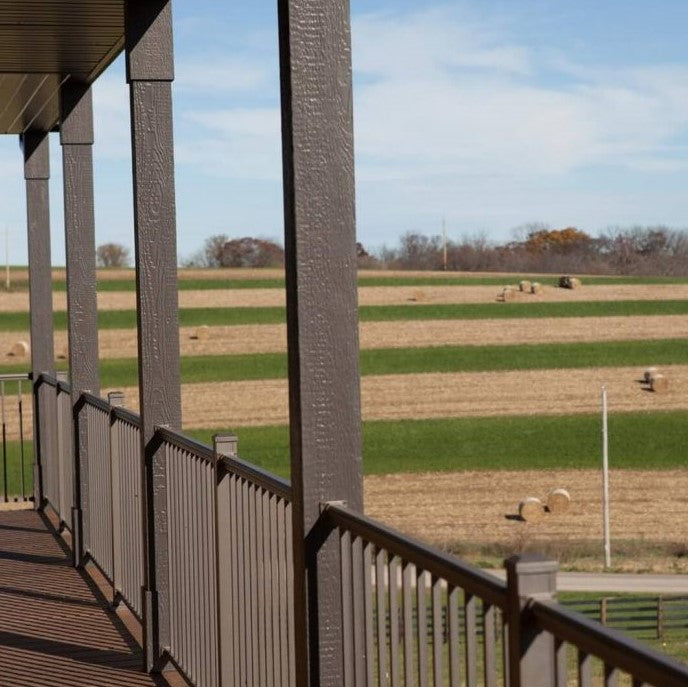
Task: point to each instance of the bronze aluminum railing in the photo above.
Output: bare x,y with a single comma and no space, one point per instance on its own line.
55,433
127,517
255,575
401,606
227,576
14,423
412,615
619,655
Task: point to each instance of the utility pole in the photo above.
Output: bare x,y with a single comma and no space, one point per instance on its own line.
605,481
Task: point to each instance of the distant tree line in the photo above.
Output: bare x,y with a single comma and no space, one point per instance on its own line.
635,250
655,250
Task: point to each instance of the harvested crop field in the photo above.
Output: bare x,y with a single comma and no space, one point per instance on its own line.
389,397
460,507
372,295
121,343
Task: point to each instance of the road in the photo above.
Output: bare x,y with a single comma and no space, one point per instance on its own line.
621,583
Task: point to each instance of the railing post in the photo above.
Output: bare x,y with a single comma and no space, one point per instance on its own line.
224,445
76,139
530,651
322,316
116,400
60,430
35,147
150,71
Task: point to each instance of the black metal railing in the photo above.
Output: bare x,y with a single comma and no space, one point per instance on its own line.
16,418
224,573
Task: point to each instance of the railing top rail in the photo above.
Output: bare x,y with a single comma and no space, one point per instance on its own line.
95,402
261,478
612,647
44,378
233,465
119,413
185,443
64,387
438,563
15,377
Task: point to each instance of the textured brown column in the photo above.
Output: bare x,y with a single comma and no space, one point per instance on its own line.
148,44
35,146
322,320
76,137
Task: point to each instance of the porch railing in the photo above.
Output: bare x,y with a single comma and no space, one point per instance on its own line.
221,559
16,418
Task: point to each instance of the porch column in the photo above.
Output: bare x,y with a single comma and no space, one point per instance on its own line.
35,147
322,317
148,46
76,137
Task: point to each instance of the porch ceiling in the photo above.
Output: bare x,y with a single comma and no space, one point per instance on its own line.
43,44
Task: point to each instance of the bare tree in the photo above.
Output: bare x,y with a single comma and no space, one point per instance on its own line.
213,250
112,255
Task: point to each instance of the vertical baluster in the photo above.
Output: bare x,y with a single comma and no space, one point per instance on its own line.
253,590
260,583
284,592
393,582
380,558
358,612
489,664
368,612
274,507
505,650
422,627
560,662
409,658
437,632
269,600
20,408
470,634
290,595
454,636
347,610
4,442
246,565
611,676
173,507
584,669
236,627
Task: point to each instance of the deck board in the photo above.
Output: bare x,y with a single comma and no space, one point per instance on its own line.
55,627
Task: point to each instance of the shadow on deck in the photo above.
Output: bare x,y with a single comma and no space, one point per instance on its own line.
55,624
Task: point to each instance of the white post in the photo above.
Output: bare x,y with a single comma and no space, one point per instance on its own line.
605,480
7,257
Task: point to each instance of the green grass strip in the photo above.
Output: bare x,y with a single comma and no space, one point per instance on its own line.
440,359
450,279
648,441
193,317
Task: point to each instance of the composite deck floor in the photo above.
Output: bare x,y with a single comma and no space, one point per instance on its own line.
55,626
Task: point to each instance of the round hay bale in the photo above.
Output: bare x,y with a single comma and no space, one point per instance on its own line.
63,353
20,349
202,332
524,285
650,373
531,509
558,501
659,383
419,296
536,287
574,282
565,282
508,293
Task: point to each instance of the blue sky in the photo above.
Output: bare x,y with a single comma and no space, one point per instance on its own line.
491,113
